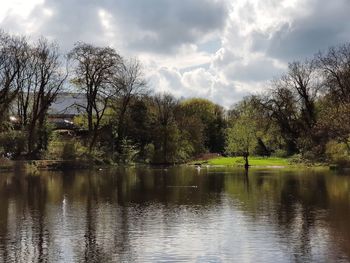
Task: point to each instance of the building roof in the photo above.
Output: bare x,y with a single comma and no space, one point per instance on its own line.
68,103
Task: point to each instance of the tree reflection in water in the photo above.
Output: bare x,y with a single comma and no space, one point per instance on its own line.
144,214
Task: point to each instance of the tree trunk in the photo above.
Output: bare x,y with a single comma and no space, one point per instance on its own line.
246,165
31,140
42,139
120,130
165,146
93,138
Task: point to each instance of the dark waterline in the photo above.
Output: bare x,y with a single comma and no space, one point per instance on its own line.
175,215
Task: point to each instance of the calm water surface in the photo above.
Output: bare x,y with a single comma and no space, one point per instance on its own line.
175,215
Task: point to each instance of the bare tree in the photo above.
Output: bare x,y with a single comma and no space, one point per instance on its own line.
303,80
45,79
334,114
13,59
95,68
26,87
280,106
127,84
291,104
335,65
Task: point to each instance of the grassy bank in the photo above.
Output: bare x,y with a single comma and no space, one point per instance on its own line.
238,161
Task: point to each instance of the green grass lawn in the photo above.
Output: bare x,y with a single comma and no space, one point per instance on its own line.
253,161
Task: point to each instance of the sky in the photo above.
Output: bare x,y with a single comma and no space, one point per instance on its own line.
221,50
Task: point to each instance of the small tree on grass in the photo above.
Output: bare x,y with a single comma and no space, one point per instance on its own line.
242,135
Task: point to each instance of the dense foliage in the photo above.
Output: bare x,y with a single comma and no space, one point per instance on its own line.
305,113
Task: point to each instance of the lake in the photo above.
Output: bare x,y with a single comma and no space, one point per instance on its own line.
178,214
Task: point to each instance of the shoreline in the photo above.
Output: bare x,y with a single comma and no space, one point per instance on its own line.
54,165
263,162
62,165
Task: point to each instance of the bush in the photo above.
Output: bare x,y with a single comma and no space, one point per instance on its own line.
128,152
149,152
62,147
280,153
46,134
337,153
184,151
69,151
13,143
296,159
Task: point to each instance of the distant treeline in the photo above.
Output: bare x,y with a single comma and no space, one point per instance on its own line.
304,113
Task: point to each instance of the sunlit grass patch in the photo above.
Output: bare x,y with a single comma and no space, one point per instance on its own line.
253,161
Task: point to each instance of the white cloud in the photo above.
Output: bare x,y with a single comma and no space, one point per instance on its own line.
220,50
18,8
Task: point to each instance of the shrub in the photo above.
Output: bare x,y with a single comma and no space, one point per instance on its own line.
184,151
281,153
13,143
128,151
65,148
149,152
337,153
69,151
296,159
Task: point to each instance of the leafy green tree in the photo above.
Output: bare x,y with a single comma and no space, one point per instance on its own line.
138,125
166,130
242,135
192,130
212,120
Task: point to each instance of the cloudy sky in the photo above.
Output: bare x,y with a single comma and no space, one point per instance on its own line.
217,49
